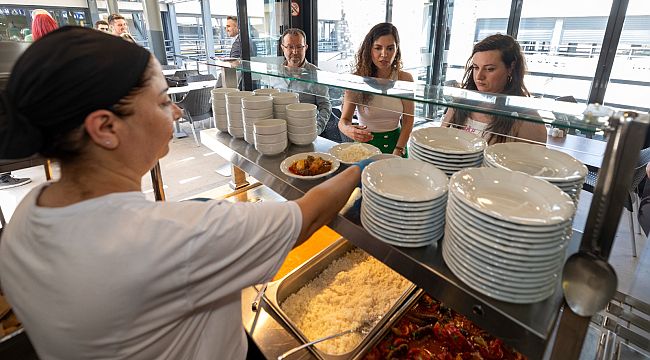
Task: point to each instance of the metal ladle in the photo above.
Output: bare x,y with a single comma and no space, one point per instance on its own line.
588,280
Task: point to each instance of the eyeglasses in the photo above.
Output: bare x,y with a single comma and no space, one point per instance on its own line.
294,48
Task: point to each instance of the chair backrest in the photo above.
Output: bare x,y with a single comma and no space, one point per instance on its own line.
197,102
201,77
183,74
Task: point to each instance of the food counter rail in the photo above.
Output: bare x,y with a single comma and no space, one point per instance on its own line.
525,327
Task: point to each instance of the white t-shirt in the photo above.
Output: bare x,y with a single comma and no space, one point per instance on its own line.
121,277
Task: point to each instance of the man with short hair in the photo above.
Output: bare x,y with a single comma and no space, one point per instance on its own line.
232,30
294,46
101,25
118,24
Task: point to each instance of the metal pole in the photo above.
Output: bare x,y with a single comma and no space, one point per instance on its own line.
207,29
389,11
171,8
515,18
113,8
94,11
156,37
242,19
157,183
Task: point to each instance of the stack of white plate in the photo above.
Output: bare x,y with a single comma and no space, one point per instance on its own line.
280,102
404,202
270,136
448,149
266,92
506,233
219,107
556,167
301,123
233,109
255,108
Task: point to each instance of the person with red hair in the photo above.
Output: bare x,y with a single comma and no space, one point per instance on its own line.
42,24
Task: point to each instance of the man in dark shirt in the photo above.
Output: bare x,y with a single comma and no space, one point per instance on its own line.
232,30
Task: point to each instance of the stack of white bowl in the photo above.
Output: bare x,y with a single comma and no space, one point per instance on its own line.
404,202
556,167
267,91
270,136
219,107
255,108
280,102
301,123
448,149
233,109
506,233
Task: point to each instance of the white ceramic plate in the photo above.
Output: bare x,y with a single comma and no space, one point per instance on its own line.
512,196
448,140
539,161
405,180
390,239
496,225
395,236
409,227
397,215
510,239
459,163
337,150
286,163
408,206
445,156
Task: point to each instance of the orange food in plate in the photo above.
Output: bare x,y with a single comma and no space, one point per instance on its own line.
311,166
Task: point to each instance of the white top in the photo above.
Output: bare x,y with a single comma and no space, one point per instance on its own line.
475,127
382,114
121,277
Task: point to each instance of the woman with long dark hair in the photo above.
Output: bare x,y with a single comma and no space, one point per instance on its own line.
497,65
383,121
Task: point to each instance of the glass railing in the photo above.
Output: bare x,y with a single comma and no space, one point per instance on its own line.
557,114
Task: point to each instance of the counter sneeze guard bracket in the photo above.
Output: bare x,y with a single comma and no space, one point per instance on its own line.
627,132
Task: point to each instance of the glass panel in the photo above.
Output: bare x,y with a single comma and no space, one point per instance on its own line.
265,19
470,22
413,21
629,82
342,25
563,114
14,23
561,41
220,10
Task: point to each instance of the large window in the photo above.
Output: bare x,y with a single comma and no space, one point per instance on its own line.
15,21
629,83
342,25
470,22
413,21
562,42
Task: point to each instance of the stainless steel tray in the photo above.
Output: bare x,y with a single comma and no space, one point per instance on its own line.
279,290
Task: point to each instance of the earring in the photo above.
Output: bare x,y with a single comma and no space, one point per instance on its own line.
509,79
107,142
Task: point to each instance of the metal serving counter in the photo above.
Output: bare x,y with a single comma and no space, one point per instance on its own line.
525,327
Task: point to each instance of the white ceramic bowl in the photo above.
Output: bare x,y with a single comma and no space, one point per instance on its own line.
220,103
302,139
282,108
234,108
286,163
237,132
220,93
339,152
531,202
270,139
301,110
270,127
257,113
448,140
267,91
271,149
257,102
234,97
538,161
294,121
301,129
285,98
405,180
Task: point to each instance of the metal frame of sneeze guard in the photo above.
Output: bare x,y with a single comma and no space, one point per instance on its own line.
229,79
626,131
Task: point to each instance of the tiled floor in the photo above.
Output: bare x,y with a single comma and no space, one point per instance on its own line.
189,170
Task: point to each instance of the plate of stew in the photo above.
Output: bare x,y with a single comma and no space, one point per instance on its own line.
309,165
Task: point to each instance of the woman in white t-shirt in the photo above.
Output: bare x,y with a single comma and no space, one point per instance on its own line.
497,66
384,122
92,268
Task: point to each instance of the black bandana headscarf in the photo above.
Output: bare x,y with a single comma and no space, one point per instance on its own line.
59,80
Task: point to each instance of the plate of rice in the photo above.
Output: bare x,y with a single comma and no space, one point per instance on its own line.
353,152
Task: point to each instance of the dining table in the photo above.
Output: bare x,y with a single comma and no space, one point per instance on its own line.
589,151
169,72
191,86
